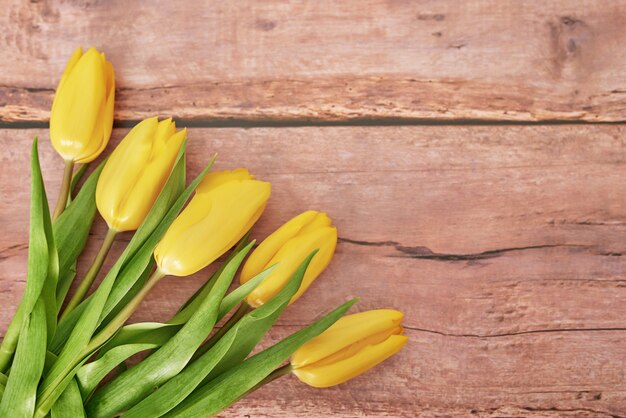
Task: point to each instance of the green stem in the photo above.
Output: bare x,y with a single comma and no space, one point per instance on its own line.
119,320
92,273
75,180
46,399
65,189
243,309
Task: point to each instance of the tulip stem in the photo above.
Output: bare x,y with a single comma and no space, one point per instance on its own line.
65,189
243,309
119,320
78,175
91,274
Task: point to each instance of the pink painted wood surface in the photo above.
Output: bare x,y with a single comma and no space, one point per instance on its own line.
502,245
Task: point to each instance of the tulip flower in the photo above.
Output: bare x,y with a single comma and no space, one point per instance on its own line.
225,206
351,346
82,113
287,247
136,172
130,183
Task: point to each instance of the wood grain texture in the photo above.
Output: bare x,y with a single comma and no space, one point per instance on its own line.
503,246
372,60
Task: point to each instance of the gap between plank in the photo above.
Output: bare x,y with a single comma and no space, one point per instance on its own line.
277,123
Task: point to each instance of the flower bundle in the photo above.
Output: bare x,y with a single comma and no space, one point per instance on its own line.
65,355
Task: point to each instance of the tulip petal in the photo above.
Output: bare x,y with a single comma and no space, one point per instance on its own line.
347,331
122,170
289,256
135,173
79,117
262,255
210,224
102,132
68,68
215,179
82,110
319,221
342,371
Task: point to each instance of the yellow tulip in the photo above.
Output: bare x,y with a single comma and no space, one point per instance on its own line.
136,172
82,111
224,208
287,247
350,347
129,184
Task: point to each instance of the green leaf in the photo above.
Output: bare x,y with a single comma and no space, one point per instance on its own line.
48,293
169,194
134,338
235,297
40,260
191,305
64,330
253,327
230,300
19,395
230,350
71,231
132,292
3,383
69,404
134,259
230,386
132,385
91,374
66,326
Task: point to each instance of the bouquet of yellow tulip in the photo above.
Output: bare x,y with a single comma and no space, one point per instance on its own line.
58,350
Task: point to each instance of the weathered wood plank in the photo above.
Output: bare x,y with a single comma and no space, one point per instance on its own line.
327,61
503,245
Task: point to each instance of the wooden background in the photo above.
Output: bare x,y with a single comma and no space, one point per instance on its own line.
472,155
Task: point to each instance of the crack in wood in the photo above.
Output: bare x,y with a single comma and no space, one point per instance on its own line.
482,336
425,253
575,410
5,252
512,334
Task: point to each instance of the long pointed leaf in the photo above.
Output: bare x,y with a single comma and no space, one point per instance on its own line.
190,306
91,374
74,352
38,261
231,349
18,399
169,194
69,404
71,231
134,338
253,327
236,382
128,388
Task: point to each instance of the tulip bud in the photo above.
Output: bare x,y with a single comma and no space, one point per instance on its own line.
82,111
350,347
224,208
287,247
136,172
